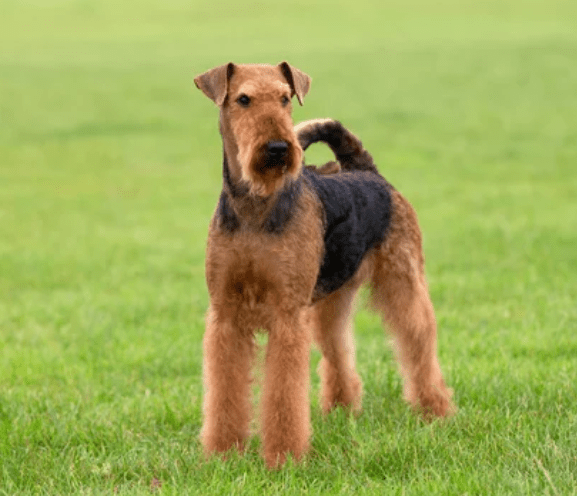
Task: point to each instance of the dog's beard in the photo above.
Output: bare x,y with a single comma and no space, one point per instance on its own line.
266,174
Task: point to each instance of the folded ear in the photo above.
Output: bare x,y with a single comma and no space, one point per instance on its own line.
298,80
214,83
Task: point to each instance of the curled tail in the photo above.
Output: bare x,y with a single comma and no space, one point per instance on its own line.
347,148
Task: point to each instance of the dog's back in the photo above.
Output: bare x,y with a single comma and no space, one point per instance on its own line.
356,201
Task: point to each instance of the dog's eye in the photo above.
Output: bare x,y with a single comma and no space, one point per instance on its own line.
285,101
243,100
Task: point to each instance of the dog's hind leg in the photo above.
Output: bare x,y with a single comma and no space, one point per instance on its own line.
401,294
333,327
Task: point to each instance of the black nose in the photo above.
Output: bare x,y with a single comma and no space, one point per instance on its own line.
277,148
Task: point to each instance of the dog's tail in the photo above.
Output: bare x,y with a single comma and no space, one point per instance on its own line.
347,148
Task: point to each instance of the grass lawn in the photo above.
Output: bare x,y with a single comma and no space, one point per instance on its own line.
109,173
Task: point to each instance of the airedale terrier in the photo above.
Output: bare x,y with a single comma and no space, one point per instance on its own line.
288,248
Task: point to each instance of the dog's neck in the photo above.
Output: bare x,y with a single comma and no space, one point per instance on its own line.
238,207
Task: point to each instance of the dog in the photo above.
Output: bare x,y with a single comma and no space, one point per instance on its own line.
288,248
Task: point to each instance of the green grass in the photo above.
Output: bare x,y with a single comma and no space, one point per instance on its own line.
110,170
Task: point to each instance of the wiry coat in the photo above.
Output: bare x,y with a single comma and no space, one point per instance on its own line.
288,248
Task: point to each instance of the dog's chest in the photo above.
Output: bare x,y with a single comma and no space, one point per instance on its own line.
252,269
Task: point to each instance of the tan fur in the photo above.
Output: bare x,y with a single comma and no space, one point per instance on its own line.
258,281
401,294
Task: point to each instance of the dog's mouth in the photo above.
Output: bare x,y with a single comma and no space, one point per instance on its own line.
272,163
275,157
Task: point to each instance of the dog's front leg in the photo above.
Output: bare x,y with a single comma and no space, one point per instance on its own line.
228,357
285,403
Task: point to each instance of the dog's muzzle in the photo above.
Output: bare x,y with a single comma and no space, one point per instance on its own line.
276,150
276,154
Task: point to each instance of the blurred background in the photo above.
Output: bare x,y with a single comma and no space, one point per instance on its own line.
110,157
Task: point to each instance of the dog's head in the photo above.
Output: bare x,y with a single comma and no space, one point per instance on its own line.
256,122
